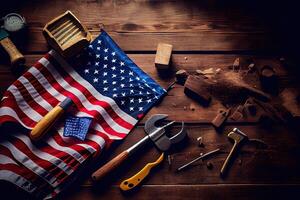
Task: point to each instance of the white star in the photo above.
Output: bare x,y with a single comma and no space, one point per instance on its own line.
140,93
122,63
105,89
99,41
153,89
131,73
104,73
130,80
97,63
122,102
123,94
113,68
104,81
140,100
114,82
137,78
131,91
86,71
146,84
105,50
144,80
90,46
115,89
114,76
105,66
122,71
156,97
122,85
98,48
131,108
140,108
115,95
131,100
95,80
96,72
113,53
149,100
141,87
113,60
97,55
122,77
130,85
148,92
105,58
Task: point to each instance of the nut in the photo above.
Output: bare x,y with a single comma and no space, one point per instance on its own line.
181,76
209,165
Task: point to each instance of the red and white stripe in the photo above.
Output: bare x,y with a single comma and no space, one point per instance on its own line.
31,97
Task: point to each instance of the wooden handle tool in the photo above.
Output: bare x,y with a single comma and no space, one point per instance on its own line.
135,180
44,125
15,56
111,165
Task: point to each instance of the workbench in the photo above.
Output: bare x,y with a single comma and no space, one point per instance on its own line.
203,35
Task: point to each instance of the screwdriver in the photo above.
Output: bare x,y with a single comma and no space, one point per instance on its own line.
199,158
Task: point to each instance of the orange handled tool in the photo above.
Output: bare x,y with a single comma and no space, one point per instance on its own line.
44,125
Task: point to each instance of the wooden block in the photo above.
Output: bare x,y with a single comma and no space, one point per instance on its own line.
163,55
219,120
196,88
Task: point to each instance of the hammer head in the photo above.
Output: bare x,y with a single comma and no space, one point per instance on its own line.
237,135
158,134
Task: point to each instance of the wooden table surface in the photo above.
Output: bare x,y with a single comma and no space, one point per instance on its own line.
207,34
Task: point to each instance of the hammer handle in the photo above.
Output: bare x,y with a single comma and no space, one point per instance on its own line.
15,56
228,159
111,165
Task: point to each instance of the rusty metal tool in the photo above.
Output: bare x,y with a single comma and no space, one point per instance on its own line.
155,134
239,139
199,158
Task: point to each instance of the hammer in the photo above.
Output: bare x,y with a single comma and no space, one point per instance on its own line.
155,134
238,137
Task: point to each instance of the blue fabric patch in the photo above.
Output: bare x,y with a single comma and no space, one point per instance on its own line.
77,127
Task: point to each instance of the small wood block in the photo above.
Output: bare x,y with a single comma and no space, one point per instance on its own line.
163,56
236,64
196,88
219,120
237,114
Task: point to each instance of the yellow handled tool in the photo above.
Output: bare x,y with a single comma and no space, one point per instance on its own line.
15,56
44,125
135,180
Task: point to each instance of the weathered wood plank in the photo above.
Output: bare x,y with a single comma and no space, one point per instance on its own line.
178,192
177,104
188,25
279,163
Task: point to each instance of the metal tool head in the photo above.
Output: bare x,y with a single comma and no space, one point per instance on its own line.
3,34
237,135
158,134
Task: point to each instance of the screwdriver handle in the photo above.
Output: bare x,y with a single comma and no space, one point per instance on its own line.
111,165
15,56
45,124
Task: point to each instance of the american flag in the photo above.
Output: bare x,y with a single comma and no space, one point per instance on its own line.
107,87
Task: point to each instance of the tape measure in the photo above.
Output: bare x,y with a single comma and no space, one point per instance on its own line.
13,22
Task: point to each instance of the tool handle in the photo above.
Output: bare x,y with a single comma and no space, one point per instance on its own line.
111,165
43,126
228,159
133,181
15,56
